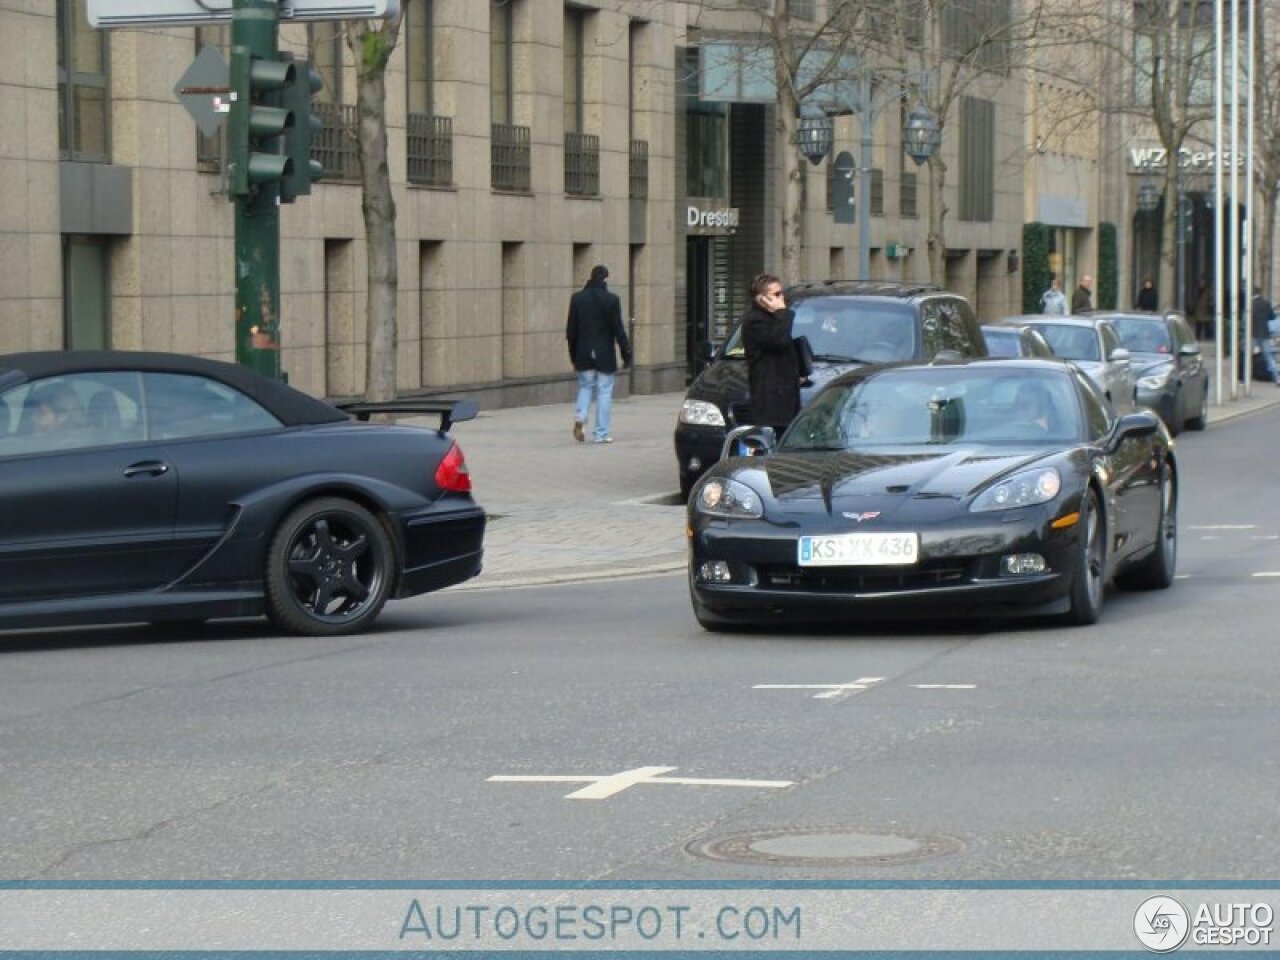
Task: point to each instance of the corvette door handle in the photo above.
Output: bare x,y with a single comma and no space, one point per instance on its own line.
148,468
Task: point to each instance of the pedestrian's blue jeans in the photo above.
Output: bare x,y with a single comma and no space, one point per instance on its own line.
593,383
1268,357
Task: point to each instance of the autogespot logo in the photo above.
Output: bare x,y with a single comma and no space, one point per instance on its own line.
1161,924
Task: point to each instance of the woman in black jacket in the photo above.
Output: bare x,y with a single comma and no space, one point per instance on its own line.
773,371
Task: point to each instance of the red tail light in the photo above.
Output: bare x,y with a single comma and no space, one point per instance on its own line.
452,474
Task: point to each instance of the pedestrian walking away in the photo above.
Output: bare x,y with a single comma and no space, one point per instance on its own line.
1260,316
1053,300
596,336
1147,299
773,370
1082,299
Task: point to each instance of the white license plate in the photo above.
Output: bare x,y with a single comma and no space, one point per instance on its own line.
859,550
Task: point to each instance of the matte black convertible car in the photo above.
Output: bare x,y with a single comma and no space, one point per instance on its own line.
154,487
957,489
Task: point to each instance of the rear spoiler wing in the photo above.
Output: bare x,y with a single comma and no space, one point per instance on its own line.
449,411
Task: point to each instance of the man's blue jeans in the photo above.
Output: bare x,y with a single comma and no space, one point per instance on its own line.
1268,357
597,385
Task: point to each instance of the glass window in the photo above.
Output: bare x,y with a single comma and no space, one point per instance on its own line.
574,33
71,412
324,48
1109,339
180,405
85,295
1097,412
419,26
500,41
82,85
945,325
1143,335
1071,342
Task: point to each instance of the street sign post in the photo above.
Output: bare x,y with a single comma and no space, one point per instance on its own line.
194,13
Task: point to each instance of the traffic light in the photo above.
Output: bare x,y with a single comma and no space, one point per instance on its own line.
258,120
297,97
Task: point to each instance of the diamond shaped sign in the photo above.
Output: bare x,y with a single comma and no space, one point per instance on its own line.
205,90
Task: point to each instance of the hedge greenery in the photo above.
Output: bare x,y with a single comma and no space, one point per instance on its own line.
1035,265
1108,267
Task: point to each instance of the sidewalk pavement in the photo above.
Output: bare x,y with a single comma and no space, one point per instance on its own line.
562,511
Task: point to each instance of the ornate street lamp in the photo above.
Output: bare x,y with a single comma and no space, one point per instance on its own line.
921,135
814,133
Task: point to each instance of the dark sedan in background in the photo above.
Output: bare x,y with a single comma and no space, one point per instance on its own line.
1169,373
955,489
157,487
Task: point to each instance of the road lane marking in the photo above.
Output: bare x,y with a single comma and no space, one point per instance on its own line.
1224,526
1267,573
601,788
829,690
945,686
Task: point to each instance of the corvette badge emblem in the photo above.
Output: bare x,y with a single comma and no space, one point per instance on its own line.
859,517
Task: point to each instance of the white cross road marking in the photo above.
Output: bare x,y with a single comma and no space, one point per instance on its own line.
945,686
829,690
1224,526
1268,573
601,788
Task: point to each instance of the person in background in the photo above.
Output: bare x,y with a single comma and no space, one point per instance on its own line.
773,371
1147,299
1082,299
596,335
1053,300
1202,312
1260,315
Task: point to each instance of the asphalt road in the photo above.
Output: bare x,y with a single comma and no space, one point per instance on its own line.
1141,748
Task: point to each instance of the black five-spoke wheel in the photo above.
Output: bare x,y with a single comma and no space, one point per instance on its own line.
330,568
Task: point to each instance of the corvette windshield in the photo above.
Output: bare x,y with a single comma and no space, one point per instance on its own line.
940,406
848,329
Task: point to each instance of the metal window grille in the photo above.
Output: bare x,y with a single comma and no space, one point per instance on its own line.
581,164
639,169
510,157
430,146
907,195
337,147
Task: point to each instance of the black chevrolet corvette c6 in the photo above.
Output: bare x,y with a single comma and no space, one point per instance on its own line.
951,490
156,487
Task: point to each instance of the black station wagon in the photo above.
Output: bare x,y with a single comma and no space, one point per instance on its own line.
847,324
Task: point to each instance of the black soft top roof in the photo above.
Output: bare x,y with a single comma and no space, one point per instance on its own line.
290,406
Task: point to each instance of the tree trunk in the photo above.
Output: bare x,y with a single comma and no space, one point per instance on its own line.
791,269
371,48
937,243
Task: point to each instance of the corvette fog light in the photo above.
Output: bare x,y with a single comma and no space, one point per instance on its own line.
716,571
1021,564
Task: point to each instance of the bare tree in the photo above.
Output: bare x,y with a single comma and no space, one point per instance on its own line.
371,44
1266,70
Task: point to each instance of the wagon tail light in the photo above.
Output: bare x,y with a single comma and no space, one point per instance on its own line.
452,474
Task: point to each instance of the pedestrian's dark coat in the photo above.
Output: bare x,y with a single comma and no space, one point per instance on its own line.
1081,300
595,326
1147,299
1260,317
773,373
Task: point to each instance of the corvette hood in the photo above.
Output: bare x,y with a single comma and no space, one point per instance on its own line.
882,481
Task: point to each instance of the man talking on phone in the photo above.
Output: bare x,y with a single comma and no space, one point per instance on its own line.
773,371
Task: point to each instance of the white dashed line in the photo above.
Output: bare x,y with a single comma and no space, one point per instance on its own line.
829,690
945,686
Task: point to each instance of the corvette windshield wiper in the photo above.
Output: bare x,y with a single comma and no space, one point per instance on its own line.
838,358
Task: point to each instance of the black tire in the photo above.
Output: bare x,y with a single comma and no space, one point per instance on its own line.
330,569
1088,580
1155,572
1202,420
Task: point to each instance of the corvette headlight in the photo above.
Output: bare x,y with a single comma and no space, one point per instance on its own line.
728,498
1020,490
701,413
1156,380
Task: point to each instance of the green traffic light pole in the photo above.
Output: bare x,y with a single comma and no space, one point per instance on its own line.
254,26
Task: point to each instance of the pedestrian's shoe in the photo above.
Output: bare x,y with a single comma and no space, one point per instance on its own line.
605,439
577,431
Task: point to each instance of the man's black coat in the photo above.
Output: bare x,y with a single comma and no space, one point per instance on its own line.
595,325
773,371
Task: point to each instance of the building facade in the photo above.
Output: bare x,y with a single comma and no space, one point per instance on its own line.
529,140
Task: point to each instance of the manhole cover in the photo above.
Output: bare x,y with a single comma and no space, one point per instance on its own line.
808,847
